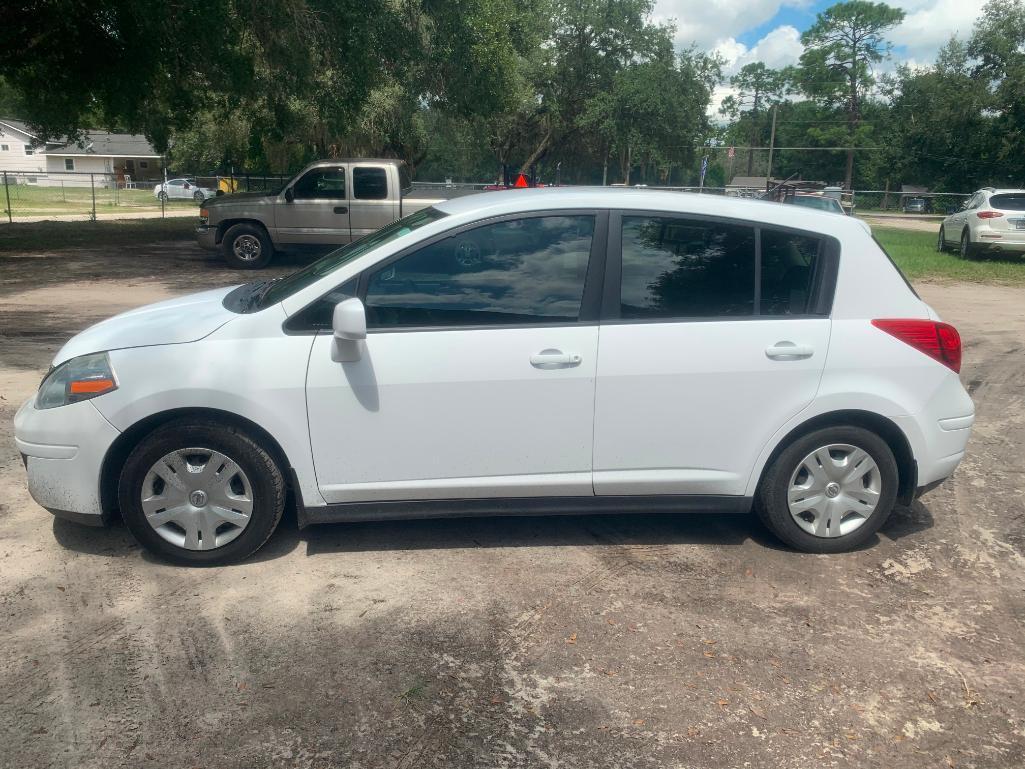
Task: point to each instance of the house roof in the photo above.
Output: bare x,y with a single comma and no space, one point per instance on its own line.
106,144
17,125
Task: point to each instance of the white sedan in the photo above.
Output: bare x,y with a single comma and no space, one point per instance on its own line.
182,189
990,220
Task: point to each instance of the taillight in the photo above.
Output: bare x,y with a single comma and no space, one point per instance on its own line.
988,214
937,340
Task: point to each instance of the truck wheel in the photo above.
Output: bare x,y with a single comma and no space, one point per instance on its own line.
247,247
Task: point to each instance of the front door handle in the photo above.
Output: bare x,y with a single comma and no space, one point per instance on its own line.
554,358
341,210
789,351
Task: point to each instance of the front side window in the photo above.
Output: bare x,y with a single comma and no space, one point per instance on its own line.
320,184
675,267
176,183
528,270
369,183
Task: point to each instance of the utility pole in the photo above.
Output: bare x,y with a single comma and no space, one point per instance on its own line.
772,143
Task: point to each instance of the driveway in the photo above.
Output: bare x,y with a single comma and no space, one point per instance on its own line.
616,641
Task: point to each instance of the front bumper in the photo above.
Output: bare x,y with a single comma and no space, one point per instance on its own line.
206,236
63,450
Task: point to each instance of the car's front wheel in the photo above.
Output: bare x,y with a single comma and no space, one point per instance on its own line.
247,247
200,492
830,490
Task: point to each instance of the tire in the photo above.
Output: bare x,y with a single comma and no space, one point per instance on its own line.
162,196
247,247
197,447
818,512
941,241
199,197
967,249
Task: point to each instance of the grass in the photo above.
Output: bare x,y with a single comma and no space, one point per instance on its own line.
49,236
916,255
32,200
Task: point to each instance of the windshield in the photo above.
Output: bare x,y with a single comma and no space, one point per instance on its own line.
823,204
281,289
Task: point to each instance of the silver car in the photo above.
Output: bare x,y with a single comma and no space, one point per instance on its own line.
182,189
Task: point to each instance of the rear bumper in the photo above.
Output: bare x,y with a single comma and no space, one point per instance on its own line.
206,237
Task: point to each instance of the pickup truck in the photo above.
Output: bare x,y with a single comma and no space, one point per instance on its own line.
330,202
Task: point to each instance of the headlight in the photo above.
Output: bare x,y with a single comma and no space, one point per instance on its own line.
75,380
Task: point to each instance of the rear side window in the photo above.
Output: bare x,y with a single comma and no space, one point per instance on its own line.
528,270
788,268
370,183
675,267
1008,202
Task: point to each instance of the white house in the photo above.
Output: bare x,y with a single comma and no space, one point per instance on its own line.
110,157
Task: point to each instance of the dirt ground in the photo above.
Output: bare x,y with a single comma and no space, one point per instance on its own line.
617,641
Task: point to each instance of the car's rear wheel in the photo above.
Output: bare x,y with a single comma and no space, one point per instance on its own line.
162,196
941,241
199,197
830,490
247,247
200,492
968,250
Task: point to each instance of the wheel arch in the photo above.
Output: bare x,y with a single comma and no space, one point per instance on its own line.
227,224
885,428
113,461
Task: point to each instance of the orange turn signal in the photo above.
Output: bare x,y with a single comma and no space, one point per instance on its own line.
91,386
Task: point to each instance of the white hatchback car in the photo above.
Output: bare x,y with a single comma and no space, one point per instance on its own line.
990,220
517,353
182,189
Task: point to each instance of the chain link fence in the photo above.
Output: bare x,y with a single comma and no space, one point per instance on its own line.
74,195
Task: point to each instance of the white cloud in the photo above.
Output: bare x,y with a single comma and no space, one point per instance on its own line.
709,23
929,24
779,48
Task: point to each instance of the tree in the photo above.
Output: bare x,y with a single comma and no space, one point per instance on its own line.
756,86
840,49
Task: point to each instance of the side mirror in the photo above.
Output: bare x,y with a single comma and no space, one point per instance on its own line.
289,195
349,325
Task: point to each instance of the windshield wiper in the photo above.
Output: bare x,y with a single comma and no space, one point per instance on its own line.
259,292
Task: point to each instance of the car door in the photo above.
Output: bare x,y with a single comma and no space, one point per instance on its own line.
714,334
374,201
477,375
954,225
176,188
318,213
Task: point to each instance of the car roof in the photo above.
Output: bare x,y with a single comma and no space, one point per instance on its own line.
1003,191
486,204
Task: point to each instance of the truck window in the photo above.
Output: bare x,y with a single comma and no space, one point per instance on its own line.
321,183
369,183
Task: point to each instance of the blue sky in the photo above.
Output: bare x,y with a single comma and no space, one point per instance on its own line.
742,31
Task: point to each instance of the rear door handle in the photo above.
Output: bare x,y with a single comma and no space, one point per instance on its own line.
555,358
789,351
341,210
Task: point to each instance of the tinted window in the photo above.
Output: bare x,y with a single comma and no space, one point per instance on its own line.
369,183
686,268
520,271
1008,202
788,265
321,183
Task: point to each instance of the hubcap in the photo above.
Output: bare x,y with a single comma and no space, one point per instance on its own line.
197,498
247,247
834,490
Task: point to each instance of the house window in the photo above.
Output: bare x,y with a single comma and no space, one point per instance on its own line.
69,164
29,150
5,147
143,164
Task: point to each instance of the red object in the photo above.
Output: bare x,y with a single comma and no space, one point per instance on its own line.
988,214
937,340
521,181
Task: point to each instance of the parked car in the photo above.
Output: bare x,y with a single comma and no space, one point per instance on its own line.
331,202
818,202
990,220
449,365
182,189
915,206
